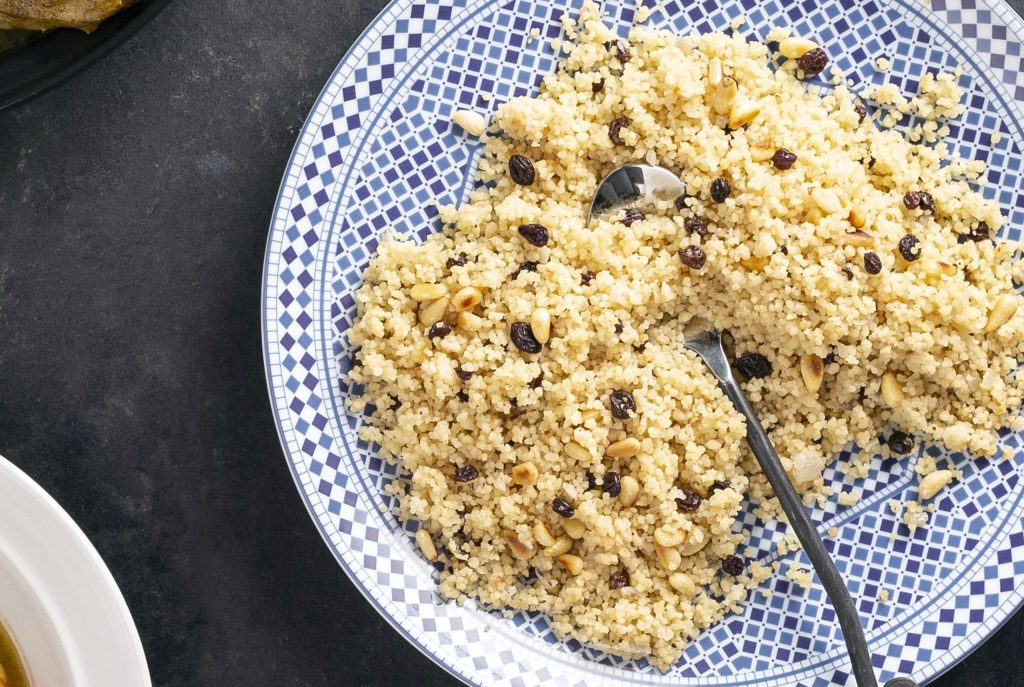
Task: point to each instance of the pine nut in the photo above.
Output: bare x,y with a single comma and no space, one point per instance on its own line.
428,292
518,548
577,452
669,538
826,200
426,544
466,298
682,583
629,490
695,542
469,322
624,448
472,122
715,71
572,564
525,473
722,95
755,264
892,392
433,312
933,483
812,369
795,47
574,528
668,558
1001,313
856,218
858,239
561,545
540,325
542,534
743,112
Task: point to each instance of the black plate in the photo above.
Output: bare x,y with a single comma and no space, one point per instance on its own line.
41,64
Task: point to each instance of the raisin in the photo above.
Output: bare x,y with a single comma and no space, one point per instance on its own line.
717,485
847,272
813,62
520,168
563,508
979,232
753,366
615,128
693,257
462,396
621,49
536,234
622,404
862,112
720,189
872,263
783,159
681,200
901,443
927,202
611,484
632,215
911,200
587,277
910,248
689,502
464,375
522,336
618,580
733,565
466,473
598,85
527,266
536,381
696,225
439,330
457,261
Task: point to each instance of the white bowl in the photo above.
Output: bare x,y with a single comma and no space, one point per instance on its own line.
57,598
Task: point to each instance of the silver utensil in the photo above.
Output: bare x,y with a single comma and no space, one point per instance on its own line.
645,183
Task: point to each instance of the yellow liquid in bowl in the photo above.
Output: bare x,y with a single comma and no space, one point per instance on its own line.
12,672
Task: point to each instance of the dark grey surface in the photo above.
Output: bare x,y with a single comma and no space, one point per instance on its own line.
134,205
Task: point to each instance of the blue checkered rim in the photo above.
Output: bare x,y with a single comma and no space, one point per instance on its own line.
378,149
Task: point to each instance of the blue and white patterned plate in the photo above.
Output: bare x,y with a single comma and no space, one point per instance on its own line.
376,152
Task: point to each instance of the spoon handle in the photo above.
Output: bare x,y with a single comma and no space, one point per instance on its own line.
849,618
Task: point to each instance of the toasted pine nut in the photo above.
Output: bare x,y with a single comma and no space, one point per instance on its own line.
1002,311
812,369
856,218
574,528
826,200
572,564
669,538
892,392
561,545
629,490
433,312
624,448
540,325
469,322
682,583
542,534
428,292
722,95
795,47
466,298
755,264
933,483
669,558
518,548
761,153
743,112
858,238
525,473
426,544
577,452
472,122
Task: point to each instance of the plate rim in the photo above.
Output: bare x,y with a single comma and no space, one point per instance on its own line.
1014,22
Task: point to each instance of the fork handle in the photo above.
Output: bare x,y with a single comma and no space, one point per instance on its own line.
838,594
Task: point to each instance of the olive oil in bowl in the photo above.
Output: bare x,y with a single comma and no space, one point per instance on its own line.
12,672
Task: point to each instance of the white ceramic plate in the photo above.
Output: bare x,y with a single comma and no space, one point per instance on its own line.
57,597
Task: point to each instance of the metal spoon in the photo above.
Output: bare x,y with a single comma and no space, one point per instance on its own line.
645,182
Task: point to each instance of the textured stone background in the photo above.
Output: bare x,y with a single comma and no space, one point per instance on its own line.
134,206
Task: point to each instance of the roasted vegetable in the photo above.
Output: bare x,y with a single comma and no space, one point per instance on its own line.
41,15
